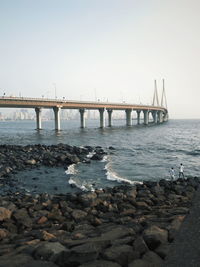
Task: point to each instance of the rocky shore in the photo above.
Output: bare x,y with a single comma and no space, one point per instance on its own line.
122,226
14,158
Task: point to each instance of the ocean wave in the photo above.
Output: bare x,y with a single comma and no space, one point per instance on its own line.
105,158
90,154
195,152
71,169
83,187
113,176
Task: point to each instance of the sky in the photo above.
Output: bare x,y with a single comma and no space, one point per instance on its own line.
111,50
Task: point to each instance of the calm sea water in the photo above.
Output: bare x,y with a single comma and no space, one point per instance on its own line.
141,152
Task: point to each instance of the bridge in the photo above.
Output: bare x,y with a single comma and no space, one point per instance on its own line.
159,112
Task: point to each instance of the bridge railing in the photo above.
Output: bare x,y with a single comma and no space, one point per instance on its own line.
58,100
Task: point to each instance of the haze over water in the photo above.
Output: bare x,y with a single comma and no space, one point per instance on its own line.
141,152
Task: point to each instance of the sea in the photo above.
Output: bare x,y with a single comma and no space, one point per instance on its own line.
139,153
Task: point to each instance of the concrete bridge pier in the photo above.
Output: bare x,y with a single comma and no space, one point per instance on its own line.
138,116
155,116
57,118
82,117
38,119
165,118
109,117
160,116
146,117
102,117
128,117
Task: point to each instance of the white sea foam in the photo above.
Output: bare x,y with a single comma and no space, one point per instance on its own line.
105,158
90,154
83,186
113,176
71,169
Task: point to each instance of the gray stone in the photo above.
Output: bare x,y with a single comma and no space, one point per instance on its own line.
117,233
48,250
154,236
132,193
36,263
22,217
100,263
123,254
4,214
78,215
87,199
15,260
139,263
140,245
163,250
153,259
78,255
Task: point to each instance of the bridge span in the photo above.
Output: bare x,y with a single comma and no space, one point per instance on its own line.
158,112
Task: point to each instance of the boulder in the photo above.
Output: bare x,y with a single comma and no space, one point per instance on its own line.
174,227
163,250
38,263
3,233
47,236
48,250
79,255
153,259
131,193
122,254
100,263
78,215
14,260
139,263
87,199
42,220
154,236
142,205
117,232
22,217
123,241
150,259
97,157
4,214
140,245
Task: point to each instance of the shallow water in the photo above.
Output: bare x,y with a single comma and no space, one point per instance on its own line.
141,152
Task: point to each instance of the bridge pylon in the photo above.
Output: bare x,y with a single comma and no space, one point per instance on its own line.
155,96
163,98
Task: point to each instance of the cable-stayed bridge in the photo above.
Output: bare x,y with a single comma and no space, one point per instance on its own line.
158,110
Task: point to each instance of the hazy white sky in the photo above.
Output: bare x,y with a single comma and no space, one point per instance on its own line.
104,49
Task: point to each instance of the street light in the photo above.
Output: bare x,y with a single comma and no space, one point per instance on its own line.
54,84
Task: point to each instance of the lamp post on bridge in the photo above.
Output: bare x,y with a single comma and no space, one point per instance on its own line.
54,84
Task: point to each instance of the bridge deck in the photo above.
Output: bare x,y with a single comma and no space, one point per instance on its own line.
20,102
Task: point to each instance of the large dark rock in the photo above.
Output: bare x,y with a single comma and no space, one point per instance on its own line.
78,215
97,157
100,263
153,259
174,226
4,214
48,250
150,259
122,254
88,199
78,255
140,245
154,236
163,250
15,260
117,232
22,217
